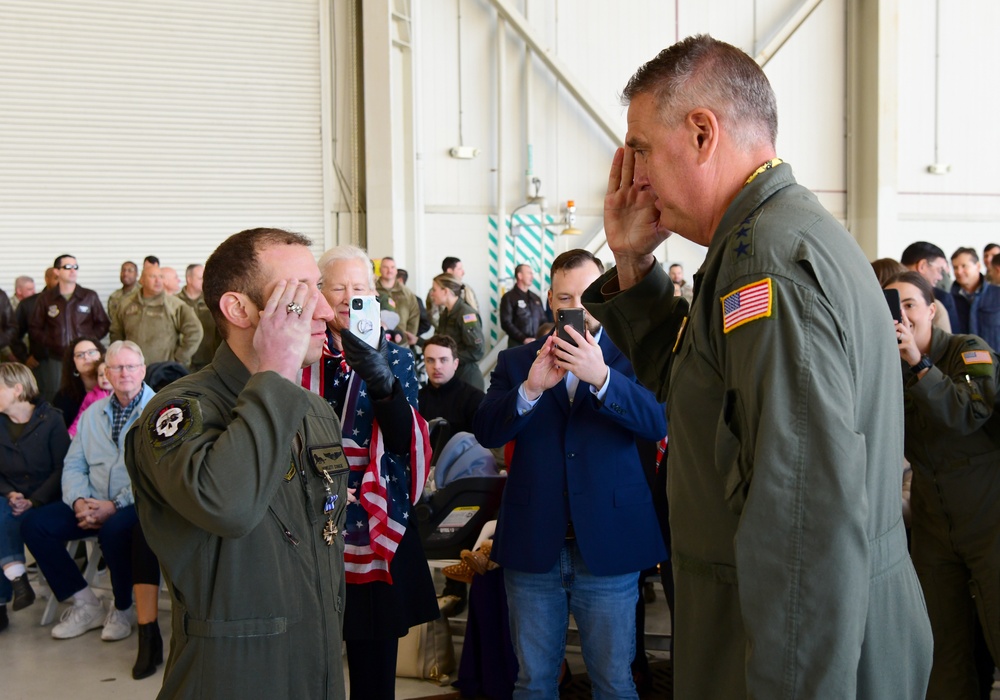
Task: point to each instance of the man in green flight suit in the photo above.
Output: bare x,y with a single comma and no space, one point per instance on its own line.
785,465
240,484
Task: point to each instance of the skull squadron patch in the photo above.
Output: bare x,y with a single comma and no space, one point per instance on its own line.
175,420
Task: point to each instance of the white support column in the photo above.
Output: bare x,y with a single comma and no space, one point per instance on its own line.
872,114
384,226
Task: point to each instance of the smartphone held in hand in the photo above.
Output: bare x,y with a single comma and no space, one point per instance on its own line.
366,322
572,316
892,299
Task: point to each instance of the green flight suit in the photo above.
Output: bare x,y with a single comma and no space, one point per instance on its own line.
953,443
786,433
224,470
465,326
167,329
404,303
212,338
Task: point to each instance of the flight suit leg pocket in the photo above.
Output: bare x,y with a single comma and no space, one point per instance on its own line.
733,450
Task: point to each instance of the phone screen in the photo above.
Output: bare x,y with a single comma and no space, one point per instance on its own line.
892,299
569,317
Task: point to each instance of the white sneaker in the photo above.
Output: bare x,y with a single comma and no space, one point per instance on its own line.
118,624
77,619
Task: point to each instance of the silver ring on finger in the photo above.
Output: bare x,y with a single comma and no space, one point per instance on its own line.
294,308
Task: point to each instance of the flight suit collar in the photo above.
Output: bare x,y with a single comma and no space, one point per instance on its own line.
155,300
749,199
939,344
230,369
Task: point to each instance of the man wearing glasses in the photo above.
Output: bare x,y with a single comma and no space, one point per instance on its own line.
97,500
62,312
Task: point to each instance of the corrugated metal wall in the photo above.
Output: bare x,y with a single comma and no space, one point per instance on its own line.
140,127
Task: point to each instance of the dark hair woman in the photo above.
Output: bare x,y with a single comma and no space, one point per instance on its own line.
79,375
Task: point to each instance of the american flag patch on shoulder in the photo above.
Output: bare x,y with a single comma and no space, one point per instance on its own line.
469,318
977,357
747,304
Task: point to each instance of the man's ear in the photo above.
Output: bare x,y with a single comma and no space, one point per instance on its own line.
703,128
239,311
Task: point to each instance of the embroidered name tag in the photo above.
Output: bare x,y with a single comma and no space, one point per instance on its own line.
329,459
747,304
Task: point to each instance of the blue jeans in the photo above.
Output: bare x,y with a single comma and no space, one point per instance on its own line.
46,531
11,546
604,609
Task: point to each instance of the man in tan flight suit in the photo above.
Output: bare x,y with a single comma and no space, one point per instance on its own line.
240,485
789,554
167,329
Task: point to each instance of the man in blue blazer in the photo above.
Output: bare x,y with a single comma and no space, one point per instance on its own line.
577,522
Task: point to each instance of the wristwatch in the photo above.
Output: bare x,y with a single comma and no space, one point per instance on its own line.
925,363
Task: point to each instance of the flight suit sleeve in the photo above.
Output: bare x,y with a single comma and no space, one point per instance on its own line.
222,474
471,347
795,471
644,321
413,317
117,331
191,331
957,398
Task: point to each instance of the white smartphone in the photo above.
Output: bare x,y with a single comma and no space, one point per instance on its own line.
366,322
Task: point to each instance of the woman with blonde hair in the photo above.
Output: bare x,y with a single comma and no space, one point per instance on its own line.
33,443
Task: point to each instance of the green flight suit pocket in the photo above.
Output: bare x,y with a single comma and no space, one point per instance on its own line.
733,452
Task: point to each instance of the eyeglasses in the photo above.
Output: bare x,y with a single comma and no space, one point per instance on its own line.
69,267
122,368
93,352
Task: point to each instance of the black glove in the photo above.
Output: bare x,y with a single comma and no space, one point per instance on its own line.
371,365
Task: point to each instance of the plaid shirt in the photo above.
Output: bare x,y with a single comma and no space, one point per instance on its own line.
120,414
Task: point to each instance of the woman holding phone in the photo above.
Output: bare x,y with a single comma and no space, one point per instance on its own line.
952,439
389,586
462,323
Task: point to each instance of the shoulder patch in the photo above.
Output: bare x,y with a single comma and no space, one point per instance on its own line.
977,357
172,422
746,304
469,318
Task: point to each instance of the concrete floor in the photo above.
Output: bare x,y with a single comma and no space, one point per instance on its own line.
36,666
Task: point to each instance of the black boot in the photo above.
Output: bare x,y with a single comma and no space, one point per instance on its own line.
3,618
24,595
150,651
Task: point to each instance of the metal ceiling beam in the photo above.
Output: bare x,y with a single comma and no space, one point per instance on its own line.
766,49
517,21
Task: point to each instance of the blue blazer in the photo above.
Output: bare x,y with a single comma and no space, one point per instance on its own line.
576,460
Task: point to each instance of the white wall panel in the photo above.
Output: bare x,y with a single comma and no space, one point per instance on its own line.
950,125
135,128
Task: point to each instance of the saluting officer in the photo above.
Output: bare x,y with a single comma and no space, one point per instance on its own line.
784,410
952,439
240,482
463,324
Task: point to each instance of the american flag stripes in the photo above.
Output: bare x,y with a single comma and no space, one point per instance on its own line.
747,304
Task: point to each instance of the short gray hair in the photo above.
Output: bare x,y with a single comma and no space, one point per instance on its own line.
348,252
120,345
704,72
